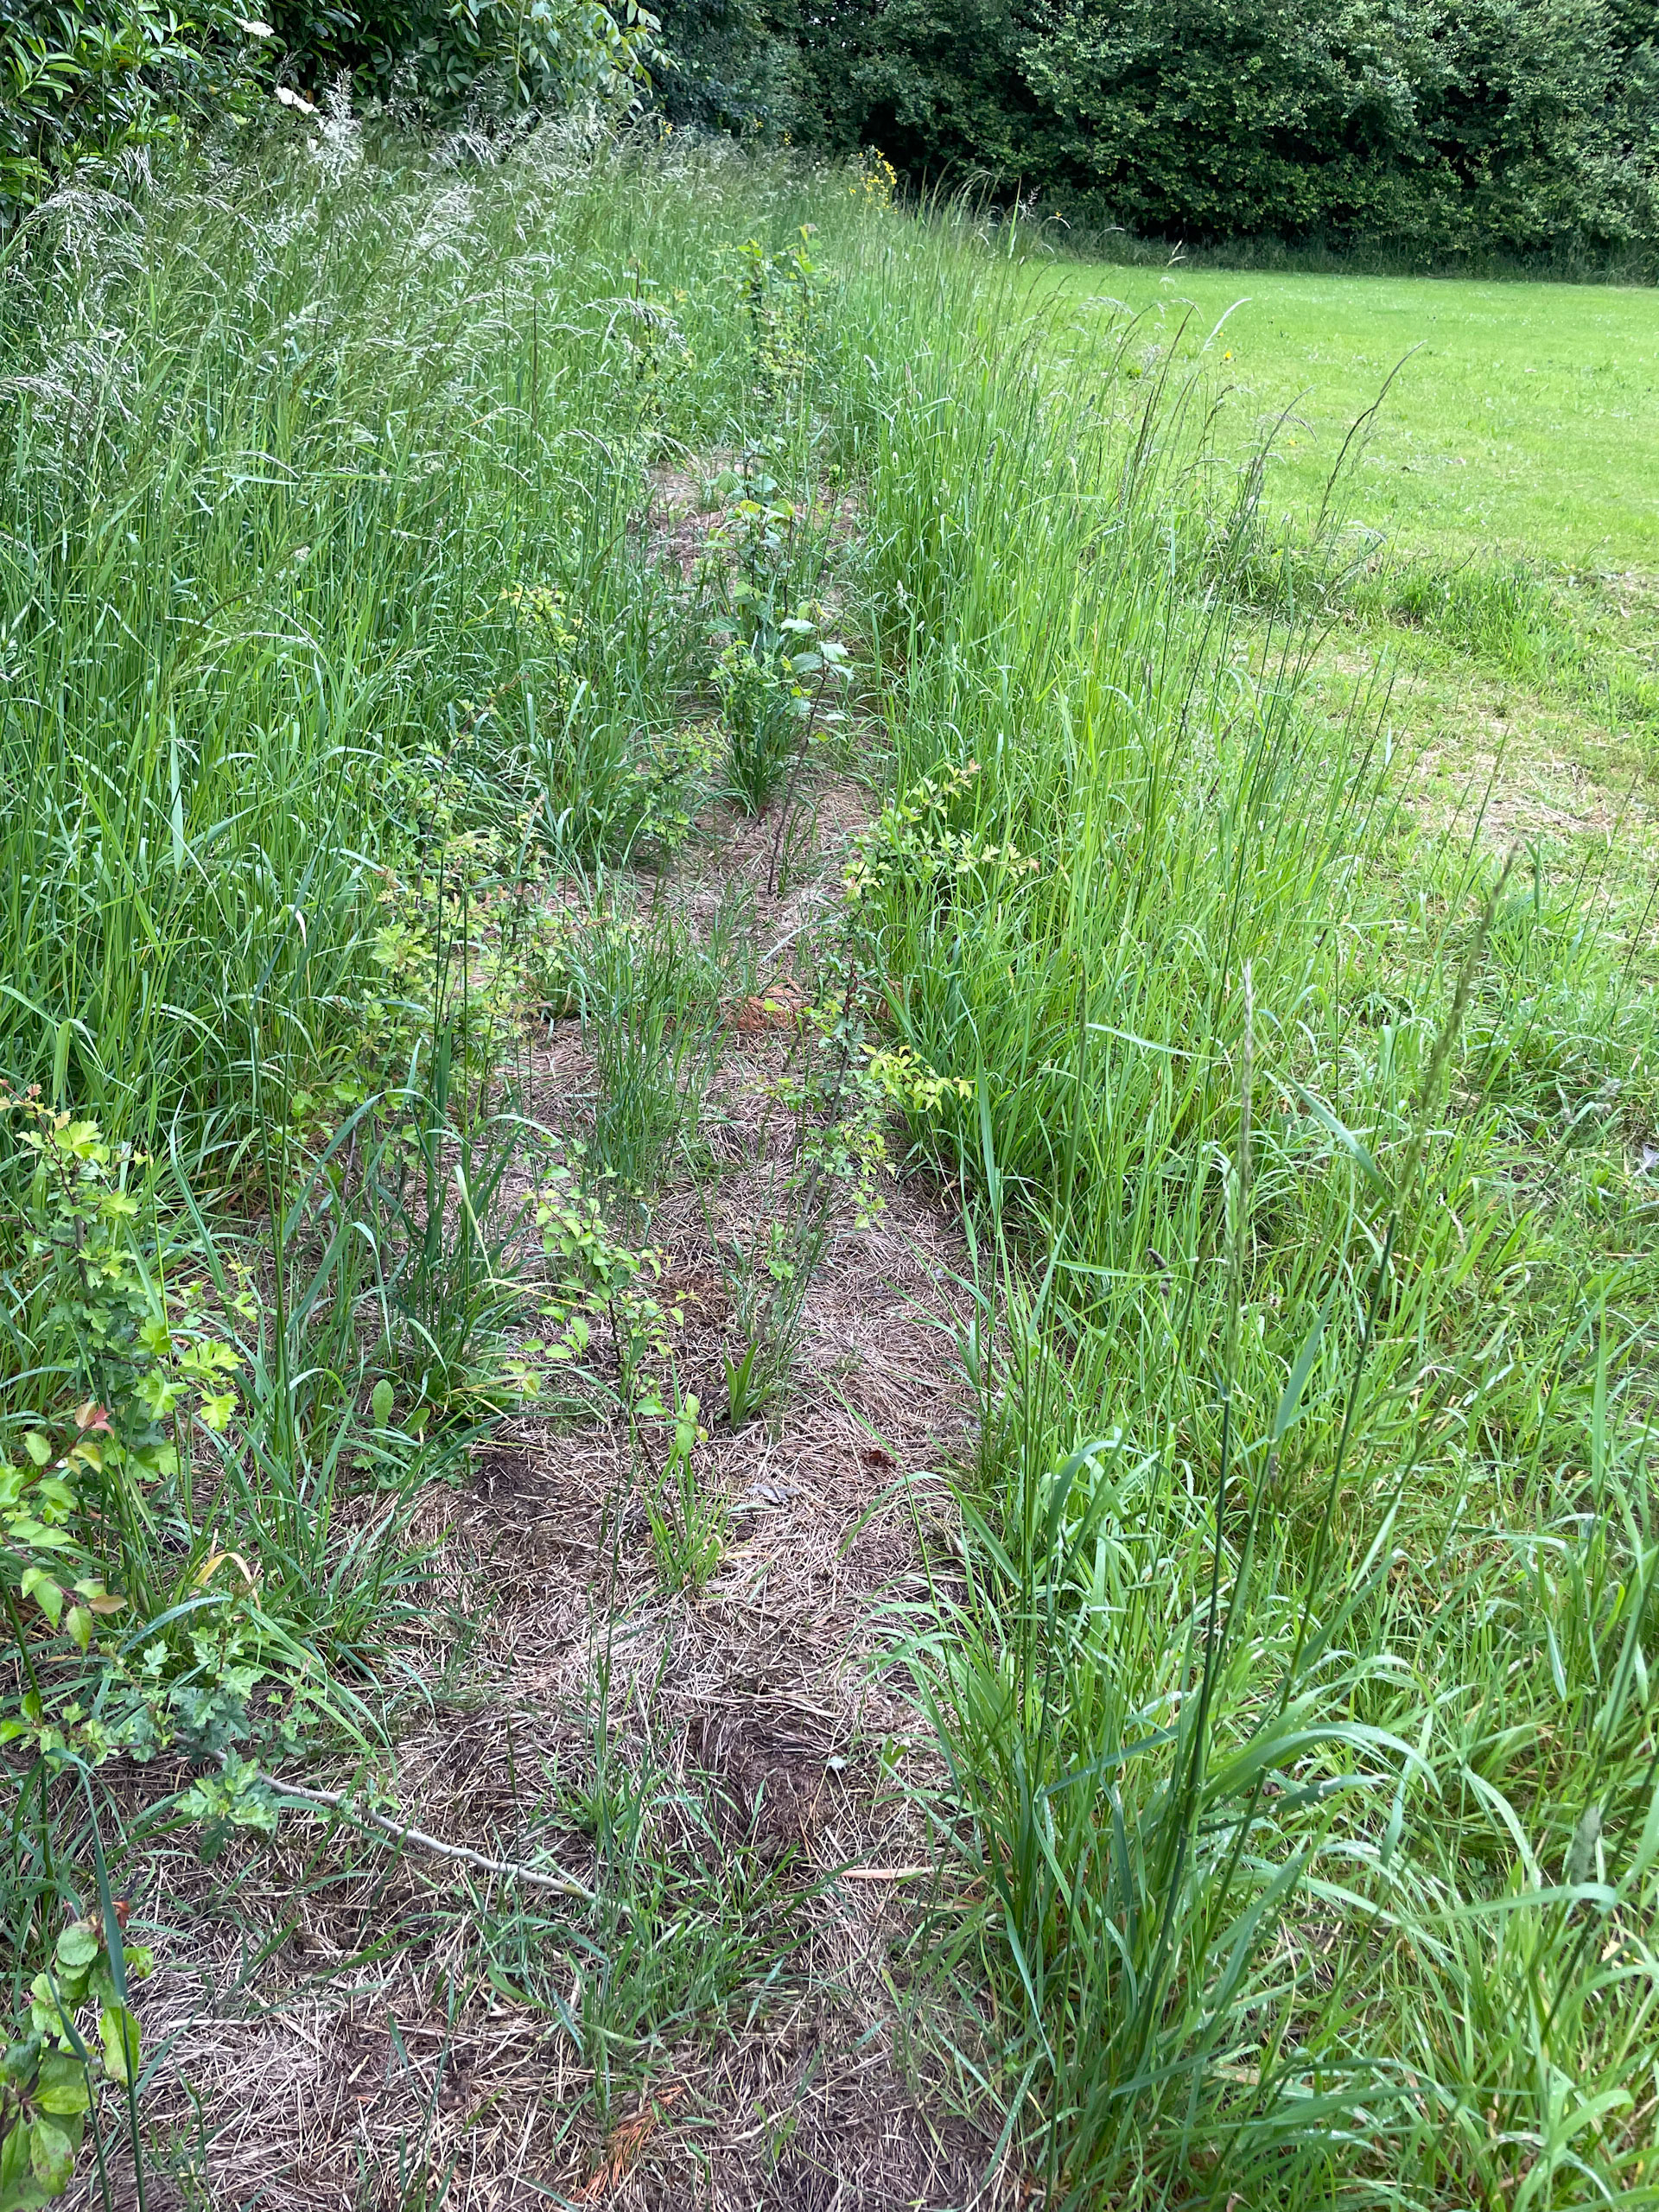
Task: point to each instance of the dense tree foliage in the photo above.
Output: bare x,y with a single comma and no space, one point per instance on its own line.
434,55
1518,126
722,66
1523,127
83,82
88,81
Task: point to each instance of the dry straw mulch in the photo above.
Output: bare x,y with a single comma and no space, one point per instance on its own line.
333,2036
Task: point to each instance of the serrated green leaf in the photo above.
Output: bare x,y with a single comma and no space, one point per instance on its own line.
38,1537
18,2061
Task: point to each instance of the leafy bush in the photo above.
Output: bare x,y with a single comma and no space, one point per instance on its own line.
89,84
86,83
1512,126
46,2074
719,65
430,57
765,711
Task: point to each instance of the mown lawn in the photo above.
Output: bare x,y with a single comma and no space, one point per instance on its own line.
1462,473
1521,418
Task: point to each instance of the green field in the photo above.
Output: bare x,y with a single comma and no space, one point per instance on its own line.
1495,448
1518,417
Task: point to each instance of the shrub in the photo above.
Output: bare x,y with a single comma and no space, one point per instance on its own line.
720,66
87,84
1523,127
431,57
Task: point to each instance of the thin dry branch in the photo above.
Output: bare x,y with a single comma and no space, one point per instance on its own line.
334,1801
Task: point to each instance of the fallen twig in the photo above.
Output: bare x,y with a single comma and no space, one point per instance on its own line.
881,1873
334,1800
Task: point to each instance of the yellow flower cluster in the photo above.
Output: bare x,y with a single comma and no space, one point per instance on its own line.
875,179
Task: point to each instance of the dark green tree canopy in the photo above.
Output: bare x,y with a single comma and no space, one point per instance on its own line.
1528,127
83,82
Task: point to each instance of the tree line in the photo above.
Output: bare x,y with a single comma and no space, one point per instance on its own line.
1450,127
87,84
1440,128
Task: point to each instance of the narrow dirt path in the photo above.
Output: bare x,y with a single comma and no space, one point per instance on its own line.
383,2051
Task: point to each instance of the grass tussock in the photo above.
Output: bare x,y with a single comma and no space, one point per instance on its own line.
1294,1698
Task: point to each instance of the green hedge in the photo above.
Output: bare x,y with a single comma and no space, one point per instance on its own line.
88,84
433,57
1512,127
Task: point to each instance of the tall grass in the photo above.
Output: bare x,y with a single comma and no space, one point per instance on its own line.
287,458
333,630
1296,1704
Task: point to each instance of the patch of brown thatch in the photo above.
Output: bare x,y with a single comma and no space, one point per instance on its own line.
330,2029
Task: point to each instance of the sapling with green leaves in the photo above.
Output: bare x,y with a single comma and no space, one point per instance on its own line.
687,1523
49,2074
